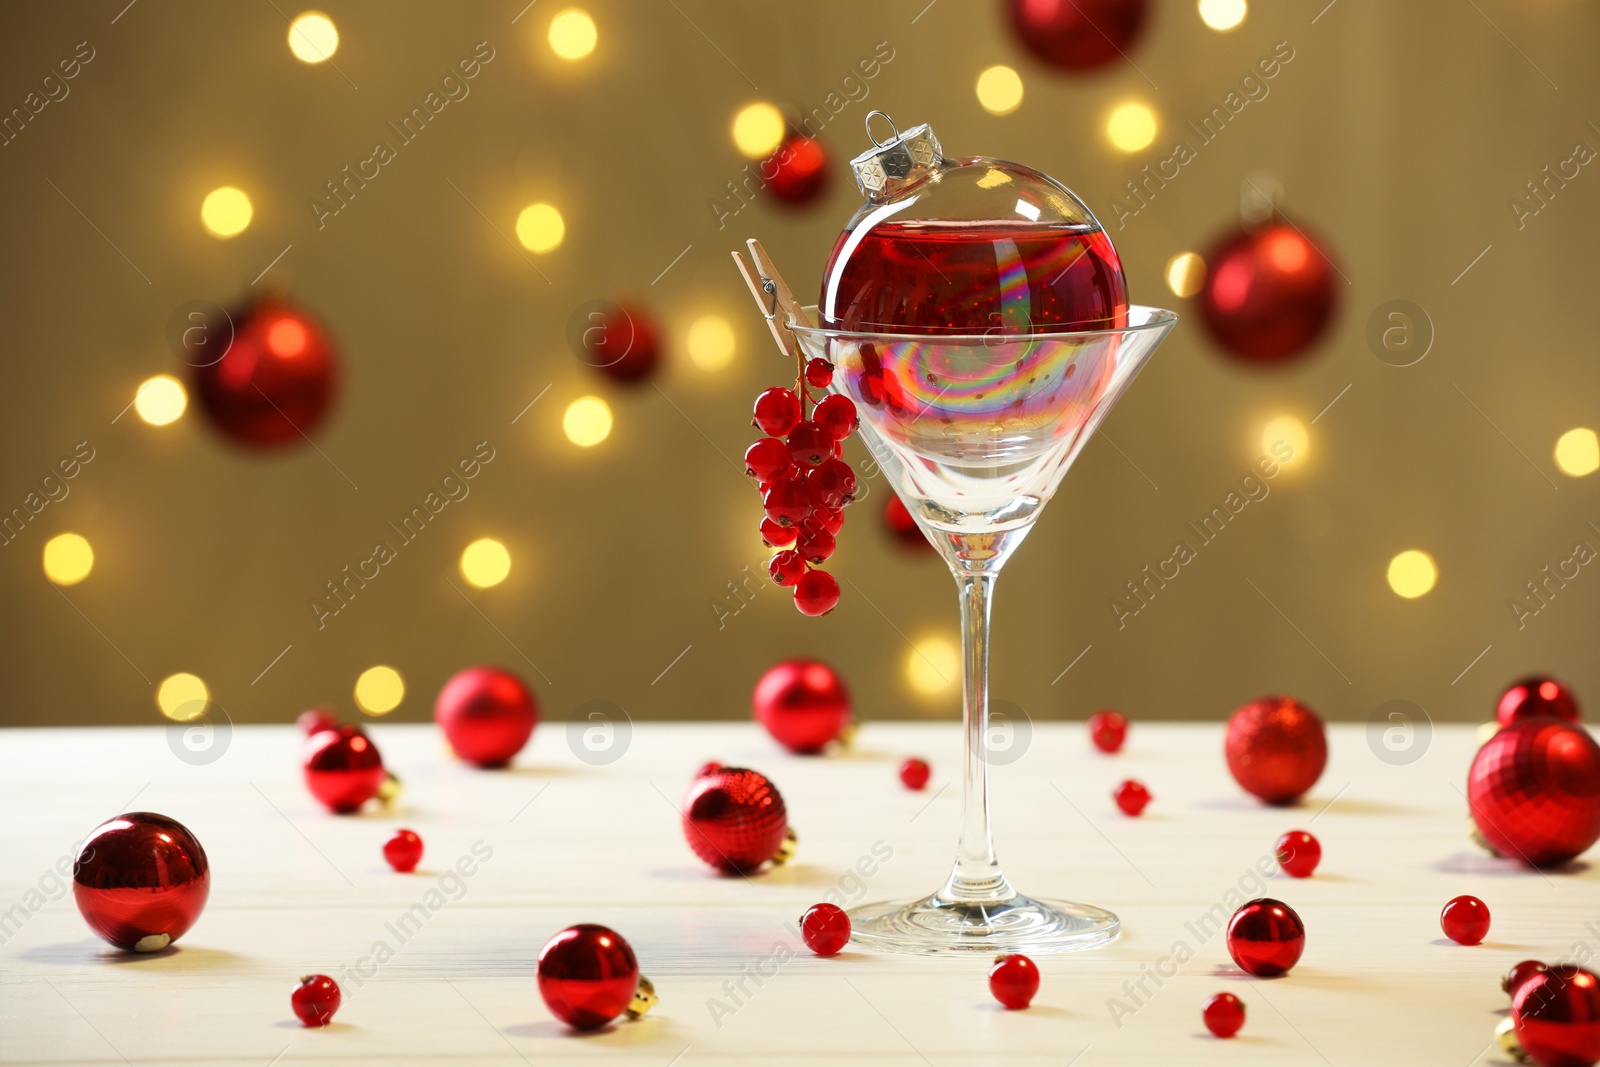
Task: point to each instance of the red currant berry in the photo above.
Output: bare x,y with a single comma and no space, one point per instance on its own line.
832,485
809,445
403,851
1520,973
315,999
767,460
1298,853
830,519
825,927
819,373
787,502
786,567
1131,797
914,773
777,411
775,536
836,414
1014,980
1465,920
815,543
1224,1014
816,593
316,720
1108,729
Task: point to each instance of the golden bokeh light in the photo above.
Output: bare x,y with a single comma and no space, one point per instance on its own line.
380,690
68,559
1412,573
182,697
933,665
758,130
1131,127
710,342
541,228
587,421
1286,430
160,400
1000,90
226,212
573,34
1186,273
313,38
485,562
1223,15
1578,452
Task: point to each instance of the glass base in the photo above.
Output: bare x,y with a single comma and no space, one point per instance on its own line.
935,925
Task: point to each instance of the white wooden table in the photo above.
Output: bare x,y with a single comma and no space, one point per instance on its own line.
295,890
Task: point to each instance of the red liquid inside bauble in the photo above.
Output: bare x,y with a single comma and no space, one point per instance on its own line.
974,277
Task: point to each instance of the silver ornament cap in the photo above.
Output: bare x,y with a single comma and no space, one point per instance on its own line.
890,166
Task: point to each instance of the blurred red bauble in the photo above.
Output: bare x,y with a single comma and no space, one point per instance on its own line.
140,880
1078,35
1519,973
403,851
1131,797
1536,696
914,773
587,975
1557,1017
622,340
1534,790
797,172
487,714
275,382
1269,293
1266,938
803,704
315,720
1298,853
1276,748
1108,730
1223,1014
734,819
342,768
897,519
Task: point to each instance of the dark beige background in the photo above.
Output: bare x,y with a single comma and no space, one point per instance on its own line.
1400,131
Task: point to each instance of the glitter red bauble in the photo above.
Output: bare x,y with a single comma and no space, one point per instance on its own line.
623,341
1465,920
1557,1017
587,975
1266,937
1131,797
1298,853
1269,294
487,715
797,171
897,519
825,929
315,998
342,767
275,382
1223,1014
914,773
1014,980
1536,696
1276,748
1108,730
403,851
140,880
1078,35
1534,791
803,704
734,819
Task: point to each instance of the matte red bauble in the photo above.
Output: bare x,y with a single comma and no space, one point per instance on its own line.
342,768
1557,1017
1269,293
1276,748
140,880
1534,791
803,704
487,715
1266,937
734,819
1536,696
622,341
1078,35
587,975
797,171
276,381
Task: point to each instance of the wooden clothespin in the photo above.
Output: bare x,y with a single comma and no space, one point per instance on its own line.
773,296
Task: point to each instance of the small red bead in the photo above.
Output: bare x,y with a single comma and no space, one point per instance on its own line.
1224,1014
819,373
1266,937
809,444
767,459
837,415
1014,980
1108,729
403,851
315,998
1465,920
775,536
825,929
1131,797
914,773
777,411
786,567
816,593
316,720
1298,853
1520,973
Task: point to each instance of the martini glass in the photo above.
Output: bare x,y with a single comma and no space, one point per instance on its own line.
975,431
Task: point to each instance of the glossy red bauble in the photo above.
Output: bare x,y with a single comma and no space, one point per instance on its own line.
342,768
276,380
825,928
897,519
1266,937
1131,797
487,715
1269,294
1108,730
1536,696
1223,1014
1078,35
315,720
914,773
622,341
1534,791
315,999
1557,1017
1276,748
587,975
1298,853
140,880
1014,980
1519,973
734,819
1465,920
403,851
803,704
797,171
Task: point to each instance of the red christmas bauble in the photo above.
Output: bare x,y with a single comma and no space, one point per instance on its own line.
587,975
622,341
140,880
276,380
342,768
1276,748
1266,937
797,171
1536,696
734,819
897,519
1078,35
803,704
1534,791
1519,973
487,715
1557,1017
1269,294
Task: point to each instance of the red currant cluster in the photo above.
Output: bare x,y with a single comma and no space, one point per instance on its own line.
805,484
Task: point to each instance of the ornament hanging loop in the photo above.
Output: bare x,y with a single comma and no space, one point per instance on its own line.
892,126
